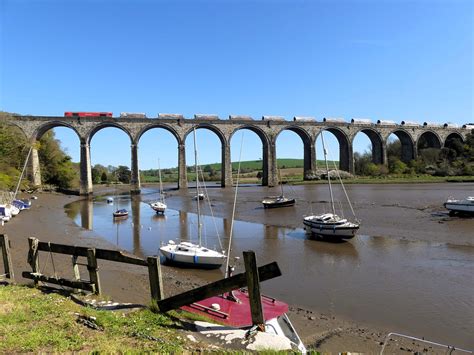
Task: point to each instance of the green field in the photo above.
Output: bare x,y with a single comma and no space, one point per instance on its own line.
246,167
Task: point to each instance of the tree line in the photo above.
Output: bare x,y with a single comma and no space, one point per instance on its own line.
454,159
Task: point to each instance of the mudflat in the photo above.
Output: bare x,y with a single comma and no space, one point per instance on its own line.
392,212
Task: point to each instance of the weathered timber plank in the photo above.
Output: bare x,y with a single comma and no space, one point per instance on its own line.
84,285
114,255
33,255
111,255
154,275
7,261
253,286
93,269
265,272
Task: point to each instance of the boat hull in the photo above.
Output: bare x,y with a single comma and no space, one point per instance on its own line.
194,256
269,203
334,231
460,207
158,207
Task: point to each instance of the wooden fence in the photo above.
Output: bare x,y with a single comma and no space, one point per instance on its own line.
7,261
92,255
251,278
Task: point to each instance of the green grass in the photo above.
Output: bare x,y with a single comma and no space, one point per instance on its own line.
31,321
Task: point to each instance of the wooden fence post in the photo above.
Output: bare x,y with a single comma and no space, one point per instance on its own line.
93,269
154,275
7,261
33,255
253,285
75,268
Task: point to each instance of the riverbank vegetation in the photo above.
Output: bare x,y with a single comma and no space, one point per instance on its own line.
34,321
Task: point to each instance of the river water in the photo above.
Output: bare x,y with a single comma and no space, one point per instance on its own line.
418,286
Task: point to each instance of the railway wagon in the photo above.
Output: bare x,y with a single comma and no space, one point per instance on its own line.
87,114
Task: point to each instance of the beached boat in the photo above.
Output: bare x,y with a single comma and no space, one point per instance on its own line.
13,209
330,225
199,196
160,205
233,309
189,254
5,213
110,200
278,201
21,204
465,206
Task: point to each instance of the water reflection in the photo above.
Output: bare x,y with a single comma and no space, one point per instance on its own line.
87,215
408,285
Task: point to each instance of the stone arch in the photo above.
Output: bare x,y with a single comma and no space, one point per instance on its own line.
377,144
428,139
35,175
209,127
41,130
101,126
159,125
224,145
15,126
345,149
408,146
452,136
266,143
308,147
455,142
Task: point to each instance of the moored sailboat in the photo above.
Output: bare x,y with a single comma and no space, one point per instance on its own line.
331,225
160,205
188,254
278,201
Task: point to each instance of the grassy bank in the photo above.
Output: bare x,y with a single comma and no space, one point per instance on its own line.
32,321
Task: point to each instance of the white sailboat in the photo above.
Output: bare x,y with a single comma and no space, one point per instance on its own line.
330,225
189,254
160,205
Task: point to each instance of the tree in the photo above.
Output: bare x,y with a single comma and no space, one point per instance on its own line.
103,177
56,167
99,174
123,174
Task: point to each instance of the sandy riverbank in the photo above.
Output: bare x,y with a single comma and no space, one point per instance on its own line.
48,221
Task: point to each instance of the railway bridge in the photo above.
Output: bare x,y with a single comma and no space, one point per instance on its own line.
267,129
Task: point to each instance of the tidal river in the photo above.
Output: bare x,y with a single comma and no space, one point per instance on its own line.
410,270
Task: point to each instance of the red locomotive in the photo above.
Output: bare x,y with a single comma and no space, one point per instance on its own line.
87,114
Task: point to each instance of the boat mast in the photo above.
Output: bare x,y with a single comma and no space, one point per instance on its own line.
281,182
327,172
197,188
162,198
22,172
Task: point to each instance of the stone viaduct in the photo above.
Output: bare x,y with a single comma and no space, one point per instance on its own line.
267,129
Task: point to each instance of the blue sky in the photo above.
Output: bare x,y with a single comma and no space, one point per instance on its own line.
397,60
